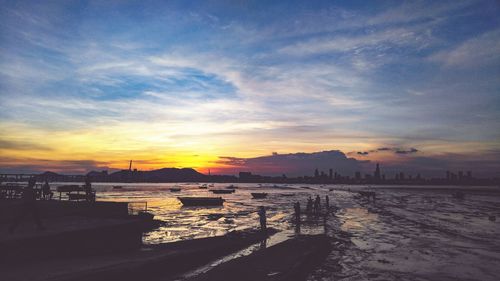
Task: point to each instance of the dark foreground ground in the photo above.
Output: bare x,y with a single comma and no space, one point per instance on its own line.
148,262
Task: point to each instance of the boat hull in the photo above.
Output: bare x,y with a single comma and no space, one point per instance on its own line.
201,201
258,195
222,191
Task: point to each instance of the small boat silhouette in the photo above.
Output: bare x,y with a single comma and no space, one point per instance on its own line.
222,191
259,195
201,201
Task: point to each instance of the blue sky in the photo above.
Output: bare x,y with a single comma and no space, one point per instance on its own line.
155,80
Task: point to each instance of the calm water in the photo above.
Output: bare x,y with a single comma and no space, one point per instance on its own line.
408,233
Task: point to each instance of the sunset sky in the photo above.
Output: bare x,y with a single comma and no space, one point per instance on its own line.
223,84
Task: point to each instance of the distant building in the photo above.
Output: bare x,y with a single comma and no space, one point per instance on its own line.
376,174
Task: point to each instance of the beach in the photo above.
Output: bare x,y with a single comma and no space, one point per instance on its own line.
409,233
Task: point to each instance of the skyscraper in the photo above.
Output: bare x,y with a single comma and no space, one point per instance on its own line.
376,174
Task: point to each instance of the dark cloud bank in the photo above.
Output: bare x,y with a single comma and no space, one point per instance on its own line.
395,150
300,164
296,164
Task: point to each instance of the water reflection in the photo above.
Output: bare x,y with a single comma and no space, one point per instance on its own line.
357,218
403,232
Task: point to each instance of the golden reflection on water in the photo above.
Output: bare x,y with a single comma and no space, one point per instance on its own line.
167,204
357,218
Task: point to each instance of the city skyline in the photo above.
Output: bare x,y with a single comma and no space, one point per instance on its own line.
221,86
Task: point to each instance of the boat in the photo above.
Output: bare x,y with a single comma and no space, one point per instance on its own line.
259,195
288,194
201,201
175,189
222,191
231,187
211,185
203,186
117,187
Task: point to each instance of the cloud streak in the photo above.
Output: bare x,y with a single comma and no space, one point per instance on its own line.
176,80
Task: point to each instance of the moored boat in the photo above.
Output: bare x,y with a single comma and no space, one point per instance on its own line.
203,186
175,189
117,187
201,201
222,191
259,195
231,187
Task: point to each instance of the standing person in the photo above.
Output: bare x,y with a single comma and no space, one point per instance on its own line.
296,206
28,206
262,218
309,205
327,202
46,190
317,204
88,189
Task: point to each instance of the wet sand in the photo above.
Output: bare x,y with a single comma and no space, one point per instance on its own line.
408,233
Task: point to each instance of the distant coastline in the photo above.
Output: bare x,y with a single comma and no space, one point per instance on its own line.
167,175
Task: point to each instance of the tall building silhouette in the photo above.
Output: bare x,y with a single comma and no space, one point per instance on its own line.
376,174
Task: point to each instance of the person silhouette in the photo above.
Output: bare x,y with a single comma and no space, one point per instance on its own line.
88,190
28,206
296,207
317,204
262,218
309,205
46,193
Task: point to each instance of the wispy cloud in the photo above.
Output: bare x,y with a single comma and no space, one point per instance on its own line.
483,50
218,78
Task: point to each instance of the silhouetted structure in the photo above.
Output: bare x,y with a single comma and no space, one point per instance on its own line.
28,207
376,174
